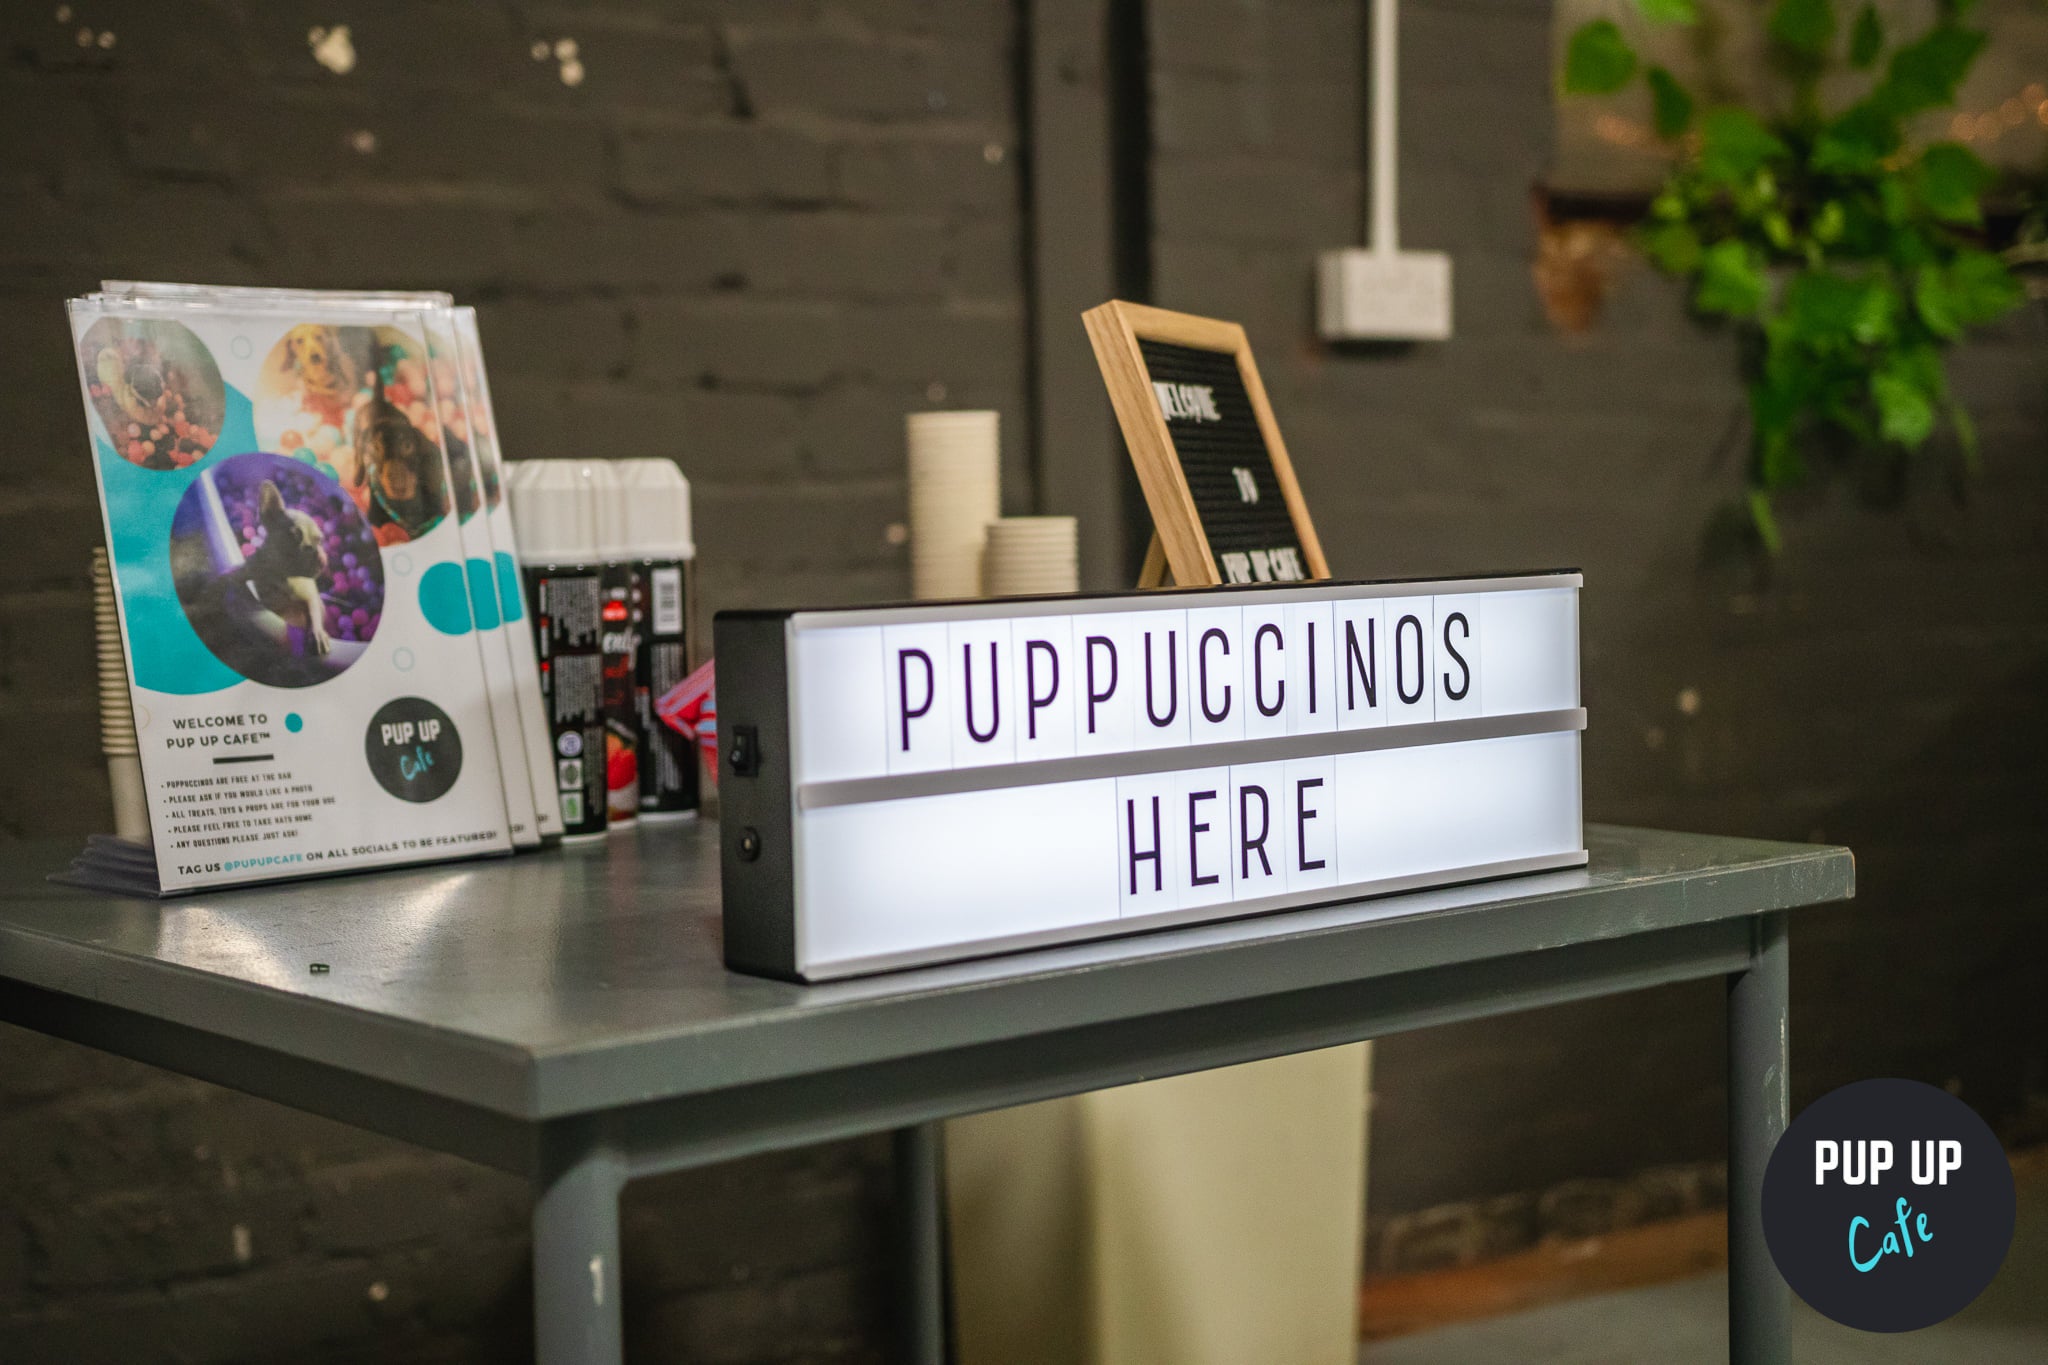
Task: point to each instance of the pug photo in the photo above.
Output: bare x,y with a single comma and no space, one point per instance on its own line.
155,389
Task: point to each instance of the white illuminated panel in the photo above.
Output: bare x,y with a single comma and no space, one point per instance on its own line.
890,881
977,777
924,696
904,877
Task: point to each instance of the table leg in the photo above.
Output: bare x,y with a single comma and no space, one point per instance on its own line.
920,1212
576,1260
1759,1304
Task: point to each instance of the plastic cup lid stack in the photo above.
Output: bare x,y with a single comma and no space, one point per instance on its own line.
600,511
654,509
554,515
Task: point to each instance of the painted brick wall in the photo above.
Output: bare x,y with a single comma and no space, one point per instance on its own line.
748,235
1879,688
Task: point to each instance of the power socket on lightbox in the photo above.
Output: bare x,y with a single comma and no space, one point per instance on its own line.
1363,294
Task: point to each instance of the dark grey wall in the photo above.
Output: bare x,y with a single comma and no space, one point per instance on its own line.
751,237
754,234
1880,687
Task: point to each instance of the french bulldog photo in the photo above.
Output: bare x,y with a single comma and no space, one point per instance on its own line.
278,571
284,570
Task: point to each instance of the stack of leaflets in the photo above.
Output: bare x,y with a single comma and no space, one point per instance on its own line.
329,658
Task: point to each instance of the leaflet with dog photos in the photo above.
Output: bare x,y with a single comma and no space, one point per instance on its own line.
292,588
505,635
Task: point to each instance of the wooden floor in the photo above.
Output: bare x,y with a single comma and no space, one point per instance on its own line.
1657,1253
1653,1254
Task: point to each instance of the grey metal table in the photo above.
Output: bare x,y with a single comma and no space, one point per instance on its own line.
565,1016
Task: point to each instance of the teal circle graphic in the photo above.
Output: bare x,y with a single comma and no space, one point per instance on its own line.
510,600
483,595
444,599
294,722
167,653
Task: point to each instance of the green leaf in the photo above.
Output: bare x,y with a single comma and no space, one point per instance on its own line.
1669,205
1774,403
1821,309
1973,289
1788,378
1981,288
1866,39
1804,26
1831,317
1905,413
1857,141
1774,409
1766,523
1875,320
1950,178
1673,248
1922,364
1735,145
1893,199
1670,104
1933,298
1670,11
1924,74
1731,280
1598,60
1829,222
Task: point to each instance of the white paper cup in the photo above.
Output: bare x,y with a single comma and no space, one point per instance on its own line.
117,712
1032,555
954,475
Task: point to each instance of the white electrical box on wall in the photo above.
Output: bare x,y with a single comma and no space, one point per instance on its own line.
1379,292
1368,295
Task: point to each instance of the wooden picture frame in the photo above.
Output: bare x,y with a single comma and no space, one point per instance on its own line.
1183,547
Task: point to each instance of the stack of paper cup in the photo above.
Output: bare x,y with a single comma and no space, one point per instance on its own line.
1031,555
955,492
117,712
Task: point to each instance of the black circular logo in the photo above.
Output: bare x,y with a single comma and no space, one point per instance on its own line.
1888,1205
413,749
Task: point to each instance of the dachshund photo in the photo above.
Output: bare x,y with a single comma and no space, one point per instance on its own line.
401,469
352,403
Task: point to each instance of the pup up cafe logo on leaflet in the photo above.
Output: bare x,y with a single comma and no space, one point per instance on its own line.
980,776
1888,1205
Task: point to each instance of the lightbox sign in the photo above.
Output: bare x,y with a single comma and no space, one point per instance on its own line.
905,785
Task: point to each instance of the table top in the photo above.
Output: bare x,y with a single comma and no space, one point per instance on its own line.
580,979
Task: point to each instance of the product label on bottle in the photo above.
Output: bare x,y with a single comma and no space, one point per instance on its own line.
668,759
665,599
568,612
621,648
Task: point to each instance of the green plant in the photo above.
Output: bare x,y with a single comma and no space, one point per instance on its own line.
1849,259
